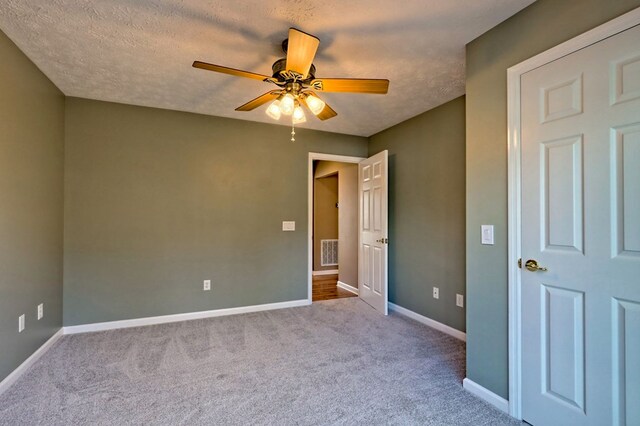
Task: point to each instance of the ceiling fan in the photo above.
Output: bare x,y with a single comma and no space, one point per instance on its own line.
297,83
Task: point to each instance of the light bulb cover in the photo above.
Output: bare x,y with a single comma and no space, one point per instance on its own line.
315,104
298,115
287,104
273,110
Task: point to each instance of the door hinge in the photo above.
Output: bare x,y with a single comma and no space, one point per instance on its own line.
520,263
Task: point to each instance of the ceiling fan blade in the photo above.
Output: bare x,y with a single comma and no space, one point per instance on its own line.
326,113
230,71
351,85
260,100
301,49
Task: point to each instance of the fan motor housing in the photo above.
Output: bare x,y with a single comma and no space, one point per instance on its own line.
281,65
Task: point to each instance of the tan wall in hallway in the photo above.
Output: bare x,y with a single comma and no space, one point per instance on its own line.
347,217
325,217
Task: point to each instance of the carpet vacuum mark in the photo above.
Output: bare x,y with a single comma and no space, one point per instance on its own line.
337,362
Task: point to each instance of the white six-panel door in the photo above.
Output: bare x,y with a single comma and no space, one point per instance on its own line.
581,221
373,223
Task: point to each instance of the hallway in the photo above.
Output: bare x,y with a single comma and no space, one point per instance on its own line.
325,288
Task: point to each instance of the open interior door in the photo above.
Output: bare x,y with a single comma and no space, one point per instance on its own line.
373,225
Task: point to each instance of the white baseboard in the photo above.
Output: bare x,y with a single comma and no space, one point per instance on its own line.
327,272
139,322
486,395
22,368
347,287
429,322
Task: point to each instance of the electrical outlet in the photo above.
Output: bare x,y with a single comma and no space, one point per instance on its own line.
20,323
40,311
460,300
436,293
207,285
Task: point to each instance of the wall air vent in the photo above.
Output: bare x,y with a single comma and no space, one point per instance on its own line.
329,250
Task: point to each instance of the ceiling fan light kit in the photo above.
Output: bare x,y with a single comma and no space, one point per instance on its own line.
296,79
273,110
314,103
287,104
298,115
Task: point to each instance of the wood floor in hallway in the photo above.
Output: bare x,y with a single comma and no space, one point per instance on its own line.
325,288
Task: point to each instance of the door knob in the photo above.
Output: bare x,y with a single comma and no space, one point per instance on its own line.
533,266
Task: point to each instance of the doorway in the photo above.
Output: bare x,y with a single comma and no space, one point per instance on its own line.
335,230
372,227
313,158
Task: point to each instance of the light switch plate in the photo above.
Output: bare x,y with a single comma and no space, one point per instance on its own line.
459,300
20,323
288,225
207,285
436,293
40,311
487,234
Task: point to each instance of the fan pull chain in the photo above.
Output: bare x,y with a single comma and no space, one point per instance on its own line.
293,133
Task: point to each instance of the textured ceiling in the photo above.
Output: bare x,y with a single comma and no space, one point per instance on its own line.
140,51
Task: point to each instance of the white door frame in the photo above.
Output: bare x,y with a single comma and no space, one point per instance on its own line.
315,156
613,27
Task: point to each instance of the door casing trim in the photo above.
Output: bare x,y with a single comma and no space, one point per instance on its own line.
316,156
608,29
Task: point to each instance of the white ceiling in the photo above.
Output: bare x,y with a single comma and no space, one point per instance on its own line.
140,51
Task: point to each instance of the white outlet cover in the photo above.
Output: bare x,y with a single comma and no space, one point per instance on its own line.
487,234
20,323
207,285
436,293
40,311
460,300
288,225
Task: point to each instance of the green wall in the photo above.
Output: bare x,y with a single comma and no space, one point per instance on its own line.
544,24
156,201
426,211
31,173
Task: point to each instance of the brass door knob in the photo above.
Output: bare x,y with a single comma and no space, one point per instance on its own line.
533,266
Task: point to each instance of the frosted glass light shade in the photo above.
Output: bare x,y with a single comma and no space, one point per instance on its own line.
298,115
273,110
315,104
287,104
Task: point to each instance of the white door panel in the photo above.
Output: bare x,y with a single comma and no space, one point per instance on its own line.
581,220
372,189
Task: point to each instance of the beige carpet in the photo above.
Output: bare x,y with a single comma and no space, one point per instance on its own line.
335,362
